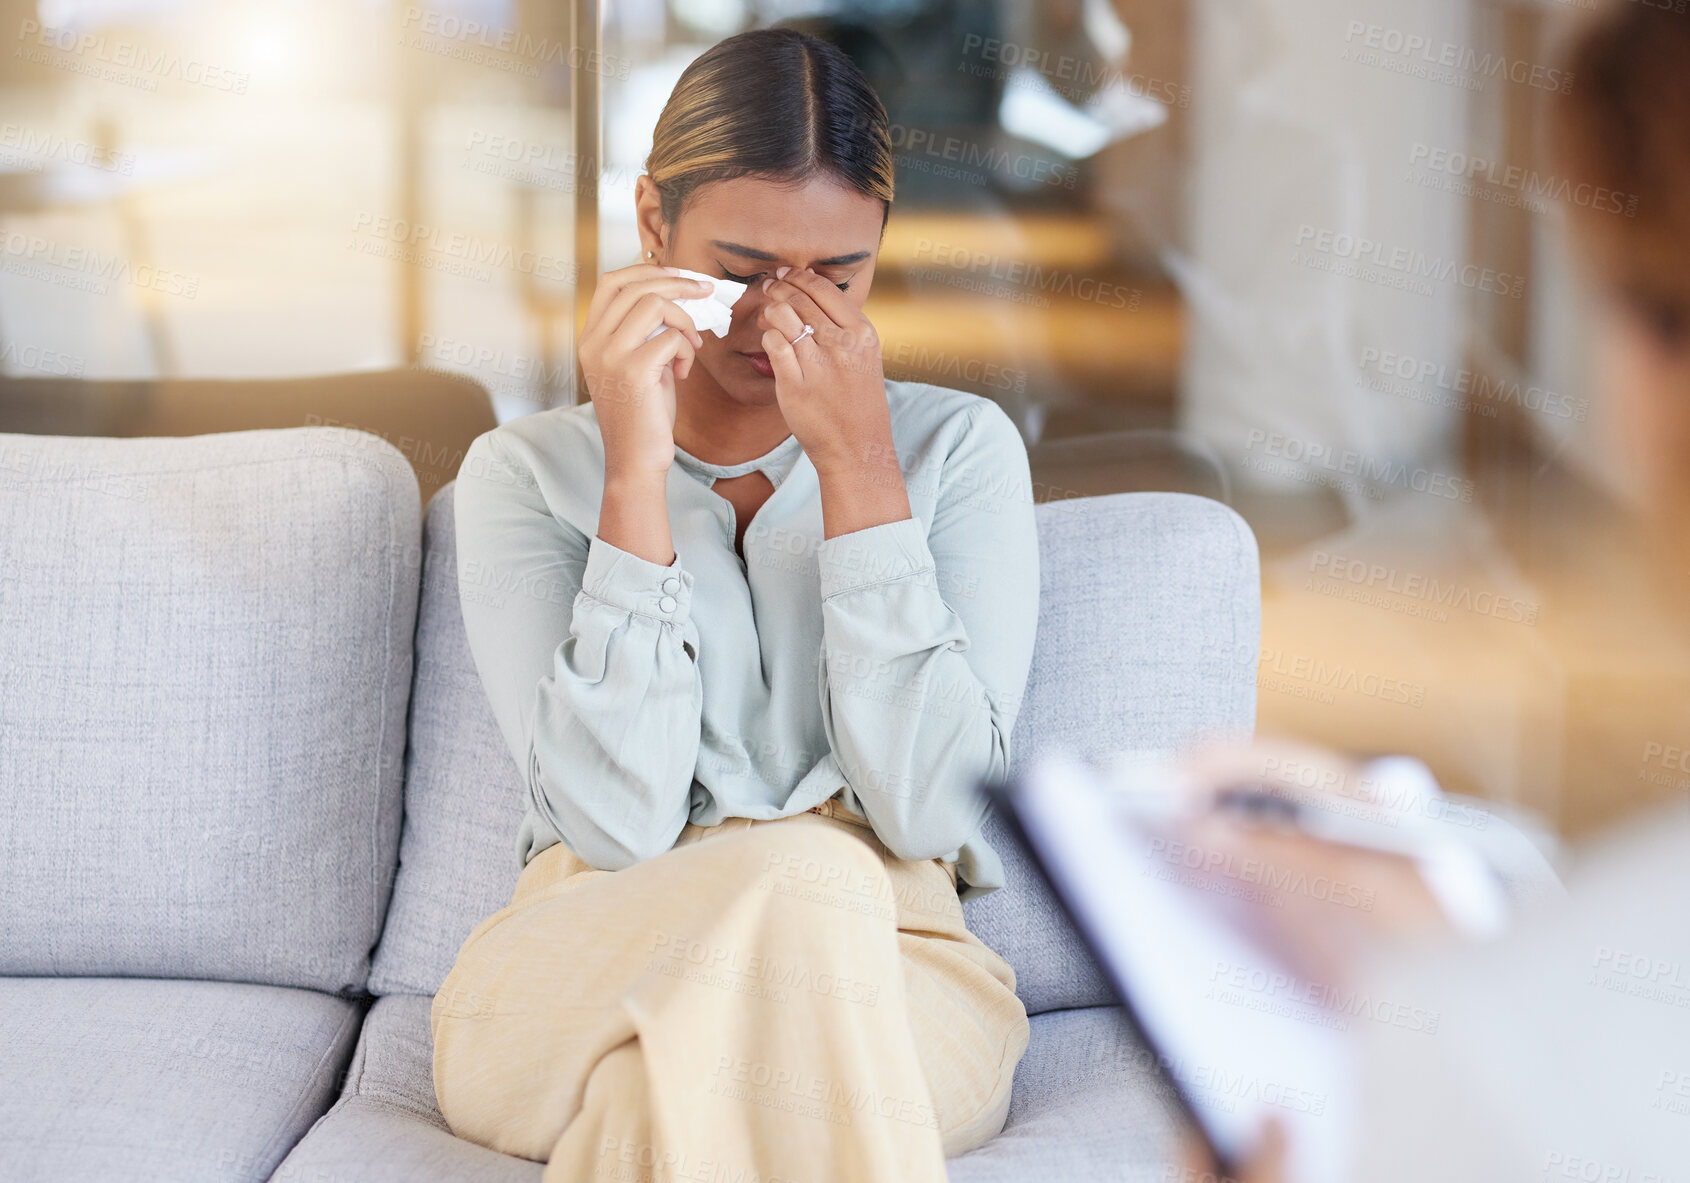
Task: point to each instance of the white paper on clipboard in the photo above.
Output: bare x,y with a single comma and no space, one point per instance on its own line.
1233,1026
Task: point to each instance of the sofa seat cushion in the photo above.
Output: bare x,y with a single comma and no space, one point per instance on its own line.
1085,1107
363,1140
153,1079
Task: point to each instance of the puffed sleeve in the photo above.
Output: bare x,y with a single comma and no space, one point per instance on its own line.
588,656
927,639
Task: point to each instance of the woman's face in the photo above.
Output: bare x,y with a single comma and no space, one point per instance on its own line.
1645,369
746,229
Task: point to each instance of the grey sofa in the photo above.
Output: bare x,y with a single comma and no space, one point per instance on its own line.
252,801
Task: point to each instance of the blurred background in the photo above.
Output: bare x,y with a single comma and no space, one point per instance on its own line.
1303,256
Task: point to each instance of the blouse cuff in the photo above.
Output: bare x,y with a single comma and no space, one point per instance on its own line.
633,584
875,554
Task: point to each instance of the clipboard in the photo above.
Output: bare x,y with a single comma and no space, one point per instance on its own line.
1225,1064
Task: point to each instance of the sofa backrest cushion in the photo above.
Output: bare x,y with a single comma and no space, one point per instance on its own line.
463,791
205,661
1148,628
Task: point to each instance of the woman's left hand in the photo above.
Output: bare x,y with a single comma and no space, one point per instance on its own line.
830,385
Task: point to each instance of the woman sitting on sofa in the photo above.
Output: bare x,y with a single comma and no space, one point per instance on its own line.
754,622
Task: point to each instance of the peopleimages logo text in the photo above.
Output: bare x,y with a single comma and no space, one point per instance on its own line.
1451,55
1416,586
1355,464
1409,261
1526,181
117,54
1463,381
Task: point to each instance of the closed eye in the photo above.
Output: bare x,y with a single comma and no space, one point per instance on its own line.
746,279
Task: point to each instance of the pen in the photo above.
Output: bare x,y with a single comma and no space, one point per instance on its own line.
1459,877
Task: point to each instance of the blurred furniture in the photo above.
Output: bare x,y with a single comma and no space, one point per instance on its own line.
255,800
431,416
30,189
1141,461
1029,306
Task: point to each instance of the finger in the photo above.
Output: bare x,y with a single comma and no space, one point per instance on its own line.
788,371
680,365
670,288
852,333
648,314
784,318
664,287
668,346
1269,1159
809,312
824,293
1194,1155
1272,760
611,283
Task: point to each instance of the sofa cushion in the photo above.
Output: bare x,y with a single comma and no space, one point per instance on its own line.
387,1126
207,650
1085,1106
463,792
147,1079
1148,629
364,1141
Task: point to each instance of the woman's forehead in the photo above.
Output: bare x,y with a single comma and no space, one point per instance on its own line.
757,220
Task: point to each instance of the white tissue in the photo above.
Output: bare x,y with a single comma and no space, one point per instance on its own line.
712,313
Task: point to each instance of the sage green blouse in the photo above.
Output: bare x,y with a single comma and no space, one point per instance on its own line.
885,666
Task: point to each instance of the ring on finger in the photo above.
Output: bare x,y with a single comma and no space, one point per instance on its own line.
809,330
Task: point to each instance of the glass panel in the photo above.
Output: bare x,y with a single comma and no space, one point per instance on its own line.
228,188
1304,257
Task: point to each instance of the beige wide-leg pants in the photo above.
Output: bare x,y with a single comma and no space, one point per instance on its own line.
775,1001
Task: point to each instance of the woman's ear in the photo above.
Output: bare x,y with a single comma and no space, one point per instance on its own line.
648,219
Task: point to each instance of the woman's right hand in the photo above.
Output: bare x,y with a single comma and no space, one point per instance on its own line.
1266,1164
632,380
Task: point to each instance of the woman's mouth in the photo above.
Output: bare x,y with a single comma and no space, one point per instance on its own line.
760,362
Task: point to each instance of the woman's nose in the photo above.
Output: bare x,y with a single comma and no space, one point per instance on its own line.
752,305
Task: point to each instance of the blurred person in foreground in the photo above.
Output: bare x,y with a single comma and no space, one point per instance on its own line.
1563,1049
